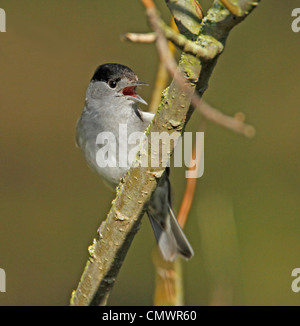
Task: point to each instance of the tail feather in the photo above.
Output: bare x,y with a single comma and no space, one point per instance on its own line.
171,239
165,240
169,236
183,245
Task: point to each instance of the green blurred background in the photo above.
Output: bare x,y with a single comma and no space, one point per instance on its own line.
245,221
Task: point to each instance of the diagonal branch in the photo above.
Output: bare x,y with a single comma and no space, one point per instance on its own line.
108,252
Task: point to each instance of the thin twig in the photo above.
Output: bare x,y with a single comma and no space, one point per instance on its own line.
169,289
204,48
139,37
200,49
208,112
239,8
162,78
219,118
232,7
190,183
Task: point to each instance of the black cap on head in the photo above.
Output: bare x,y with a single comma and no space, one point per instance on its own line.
113,71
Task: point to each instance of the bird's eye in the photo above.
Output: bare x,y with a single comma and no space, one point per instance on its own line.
112,84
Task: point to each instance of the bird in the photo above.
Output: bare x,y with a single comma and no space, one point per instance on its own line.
112,100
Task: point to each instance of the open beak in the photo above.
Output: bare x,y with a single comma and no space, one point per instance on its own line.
130,91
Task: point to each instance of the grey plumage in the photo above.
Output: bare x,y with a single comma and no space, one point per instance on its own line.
111,100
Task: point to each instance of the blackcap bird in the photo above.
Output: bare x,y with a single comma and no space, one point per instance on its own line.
111,100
